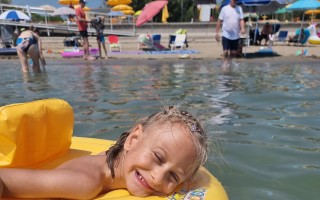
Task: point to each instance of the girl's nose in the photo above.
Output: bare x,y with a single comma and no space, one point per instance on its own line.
158,176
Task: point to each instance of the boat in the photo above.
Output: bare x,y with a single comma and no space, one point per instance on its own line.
8,51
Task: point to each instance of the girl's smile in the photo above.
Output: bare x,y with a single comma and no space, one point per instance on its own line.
151,164
143,182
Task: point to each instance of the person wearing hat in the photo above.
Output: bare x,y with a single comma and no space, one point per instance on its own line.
83,26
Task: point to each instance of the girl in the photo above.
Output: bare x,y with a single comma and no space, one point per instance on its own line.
98,24
157,155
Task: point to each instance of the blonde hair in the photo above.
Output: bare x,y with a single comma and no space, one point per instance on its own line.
169,114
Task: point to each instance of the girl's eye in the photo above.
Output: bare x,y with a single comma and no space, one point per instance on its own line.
158,157
174,177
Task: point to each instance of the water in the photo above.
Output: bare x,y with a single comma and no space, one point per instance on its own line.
265,113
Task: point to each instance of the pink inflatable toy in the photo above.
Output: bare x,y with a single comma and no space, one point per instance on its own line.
79,53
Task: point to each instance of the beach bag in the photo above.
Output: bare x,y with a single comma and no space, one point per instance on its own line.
34,132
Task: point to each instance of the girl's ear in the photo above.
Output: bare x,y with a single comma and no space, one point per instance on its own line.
133,137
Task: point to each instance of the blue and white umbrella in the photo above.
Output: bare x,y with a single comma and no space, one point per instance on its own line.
14,15
259,6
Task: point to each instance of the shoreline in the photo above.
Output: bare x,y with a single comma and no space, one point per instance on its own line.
207,47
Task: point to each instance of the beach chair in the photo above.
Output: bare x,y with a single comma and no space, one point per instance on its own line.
156,45
179,41
6,36
156,38
145,42
282,37
114,44
304,40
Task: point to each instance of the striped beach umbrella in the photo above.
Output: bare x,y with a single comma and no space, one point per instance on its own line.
14,15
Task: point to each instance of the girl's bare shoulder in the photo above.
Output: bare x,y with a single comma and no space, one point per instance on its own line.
85,162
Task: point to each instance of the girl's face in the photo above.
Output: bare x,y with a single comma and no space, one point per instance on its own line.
157,162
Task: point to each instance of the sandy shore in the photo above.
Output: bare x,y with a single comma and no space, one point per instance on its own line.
206,45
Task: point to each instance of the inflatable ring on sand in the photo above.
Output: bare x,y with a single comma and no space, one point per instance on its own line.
184,56
314,40
44,119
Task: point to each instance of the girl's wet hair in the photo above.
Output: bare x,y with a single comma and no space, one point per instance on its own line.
170,114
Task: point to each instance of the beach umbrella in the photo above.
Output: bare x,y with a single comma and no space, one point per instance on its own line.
165,14
118,2
304,5
86,8
14,15
312,13
150,10
259,6
47,7
68,2
63,11
121,7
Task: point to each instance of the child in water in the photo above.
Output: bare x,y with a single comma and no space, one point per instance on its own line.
157,155
98,24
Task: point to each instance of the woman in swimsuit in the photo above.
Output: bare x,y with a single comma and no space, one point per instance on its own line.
29,44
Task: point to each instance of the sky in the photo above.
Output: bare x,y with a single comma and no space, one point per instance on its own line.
55,3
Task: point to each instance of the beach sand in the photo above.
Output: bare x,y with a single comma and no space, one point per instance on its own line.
206,45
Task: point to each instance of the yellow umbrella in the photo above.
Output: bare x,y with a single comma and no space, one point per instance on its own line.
165,14
118,2
86,8
121,7
69,2
312,13
128,12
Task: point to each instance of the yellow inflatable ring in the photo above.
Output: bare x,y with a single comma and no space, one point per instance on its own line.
60,116
314,40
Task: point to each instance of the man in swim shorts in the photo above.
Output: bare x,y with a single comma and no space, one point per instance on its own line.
83,26
231,18
29,44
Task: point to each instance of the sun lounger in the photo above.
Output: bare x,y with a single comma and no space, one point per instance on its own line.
150,42
114,44
282,37
179,41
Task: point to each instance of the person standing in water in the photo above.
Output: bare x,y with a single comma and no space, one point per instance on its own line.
98,24
231,18
29,44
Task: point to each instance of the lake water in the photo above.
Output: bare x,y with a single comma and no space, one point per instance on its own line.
264,116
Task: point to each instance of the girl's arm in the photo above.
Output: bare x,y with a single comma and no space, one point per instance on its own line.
58,183
77,179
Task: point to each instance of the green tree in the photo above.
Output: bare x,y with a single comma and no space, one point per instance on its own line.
5,1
